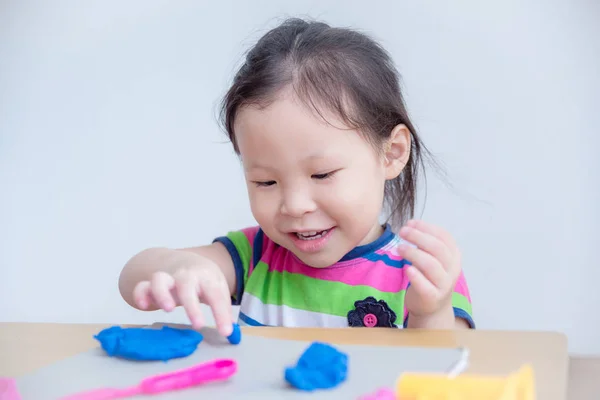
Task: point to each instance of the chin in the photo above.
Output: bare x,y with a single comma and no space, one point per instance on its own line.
317,260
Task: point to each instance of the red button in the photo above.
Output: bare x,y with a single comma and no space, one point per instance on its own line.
370,320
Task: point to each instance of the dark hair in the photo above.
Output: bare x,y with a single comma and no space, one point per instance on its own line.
339,70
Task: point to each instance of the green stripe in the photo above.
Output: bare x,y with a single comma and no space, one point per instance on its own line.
306,293
460,301
241,243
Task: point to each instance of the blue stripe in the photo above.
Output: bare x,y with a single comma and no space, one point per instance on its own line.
249,320
237,265
257,248
366,249
387,260
460,313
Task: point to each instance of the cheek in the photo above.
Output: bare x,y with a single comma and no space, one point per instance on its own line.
262,206
360,191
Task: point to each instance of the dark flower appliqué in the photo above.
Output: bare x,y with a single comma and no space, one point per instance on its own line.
371,313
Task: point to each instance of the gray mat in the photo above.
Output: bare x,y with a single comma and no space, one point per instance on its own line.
261,364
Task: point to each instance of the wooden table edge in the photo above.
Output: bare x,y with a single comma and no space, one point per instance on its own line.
479,340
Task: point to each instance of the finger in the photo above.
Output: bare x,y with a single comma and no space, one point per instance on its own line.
429,243
428,265
187,291
434,230
161,286
421,284
215,293
141,295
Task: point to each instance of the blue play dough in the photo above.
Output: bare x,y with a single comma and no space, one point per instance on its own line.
236,335
148,344
321,366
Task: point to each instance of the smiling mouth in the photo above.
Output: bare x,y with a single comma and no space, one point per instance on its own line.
311,235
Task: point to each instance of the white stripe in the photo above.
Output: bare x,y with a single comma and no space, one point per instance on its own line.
274,315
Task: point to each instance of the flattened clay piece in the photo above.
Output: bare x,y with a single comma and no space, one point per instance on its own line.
321,366
146,344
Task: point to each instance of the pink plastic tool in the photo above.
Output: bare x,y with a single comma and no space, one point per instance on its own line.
216,370
381,394
8,389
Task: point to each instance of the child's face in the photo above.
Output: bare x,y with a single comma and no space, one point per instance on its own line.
307,177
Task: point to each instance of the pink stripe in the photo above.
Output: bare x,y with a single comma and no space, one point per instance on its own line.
461,286
378,275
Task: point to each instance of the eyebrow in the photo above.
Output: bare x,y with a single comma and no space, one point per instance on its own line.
312,157
318,156
257,166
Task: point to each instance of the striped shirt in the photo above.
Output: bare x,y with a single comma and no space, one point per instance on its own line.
365,288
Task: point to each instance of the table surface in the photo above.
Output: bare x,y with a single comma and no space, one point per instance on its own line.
25,347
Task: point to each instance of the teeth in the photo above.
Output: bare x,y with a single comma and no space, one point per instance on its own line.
310,235
307,234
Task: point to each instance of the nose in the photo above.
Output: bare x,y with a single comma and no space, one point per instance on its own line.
296,202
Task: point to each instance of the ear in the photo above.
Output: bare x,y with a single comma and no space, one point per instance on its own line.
397,151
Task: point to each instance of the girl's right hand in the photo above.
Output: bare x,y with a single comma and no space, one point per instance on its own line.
197,280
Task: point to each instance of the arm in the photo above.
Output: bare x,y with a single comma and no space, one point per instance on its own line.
143,265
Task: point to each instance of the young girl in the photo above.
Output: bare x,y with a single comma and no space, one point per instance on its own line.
317,117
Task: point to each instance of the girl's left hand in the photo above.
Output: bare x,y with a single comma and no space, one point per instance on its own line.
436,266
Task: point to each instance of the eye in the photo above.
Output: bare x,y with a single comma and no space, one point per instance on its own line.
265,183
323,176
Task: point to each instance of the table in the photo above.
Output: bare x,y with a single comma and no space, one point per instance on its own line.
25,347
584,378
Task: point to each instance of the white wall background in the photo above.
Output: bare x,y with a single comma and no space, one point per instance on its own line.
108,144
